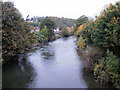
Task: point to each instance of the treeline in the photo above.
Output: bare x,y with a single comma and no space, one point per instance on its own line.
104,33
60,22
48,31
62,27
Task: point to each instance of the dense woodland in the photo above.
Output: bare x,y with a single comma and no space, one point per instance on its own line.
103,32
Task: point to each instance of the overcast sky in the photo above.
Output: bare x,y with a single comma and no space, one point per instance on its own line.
61,8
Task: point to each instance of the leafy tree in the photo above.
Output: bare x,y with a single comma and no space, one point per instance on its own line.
86,31
65,31
107,27
42,36
79,30
72,30
15,31
50,26
104,31
81,20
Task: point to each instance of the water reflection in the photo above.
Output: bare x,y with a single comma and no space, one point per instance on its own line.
17,74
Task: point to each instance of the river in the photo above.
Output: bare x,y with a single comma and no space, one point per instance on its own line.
54,65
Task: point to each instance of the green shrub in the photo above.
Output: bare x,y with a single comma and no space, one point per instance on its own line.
42,35
65,31
112,67
107,69
81,42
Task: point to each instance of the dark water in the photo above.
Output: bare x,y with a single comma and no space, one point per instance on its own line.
56,65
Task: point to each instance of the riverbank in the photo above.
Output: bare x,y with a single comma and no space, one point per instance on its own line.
91,57
33,48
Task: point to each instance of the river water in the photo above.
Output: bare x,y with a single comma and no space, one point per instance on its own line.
55,65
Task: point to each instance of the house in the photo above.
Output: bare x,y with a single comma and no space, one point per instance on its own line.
35,29
57,30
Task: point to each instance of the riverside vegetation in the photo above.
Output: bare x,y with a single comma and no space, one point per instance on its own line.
100,35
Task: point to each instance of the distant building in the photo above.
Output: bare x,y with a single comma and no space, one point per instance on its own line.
57,30
35,29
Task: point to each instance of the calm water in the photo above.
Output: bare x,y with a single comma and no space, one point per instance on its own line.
55,65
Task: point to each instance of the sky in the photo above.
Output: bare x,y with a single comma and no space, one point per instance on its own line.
61,8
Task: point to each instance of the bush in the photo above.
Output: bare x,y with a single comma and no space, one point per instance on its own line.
81,42
107,69
112,67
65,31
42,36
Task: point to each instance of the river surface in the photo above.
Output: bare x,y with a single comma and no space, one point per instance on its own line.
55,65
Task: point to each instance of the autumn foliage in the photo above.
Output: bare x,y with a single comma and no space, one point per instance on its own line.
104,32
79,29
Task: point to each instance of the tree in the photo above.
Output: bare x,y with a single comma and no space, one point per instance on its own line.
42,36
106,32
50,26
81,20
65,31
79,30
15,31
